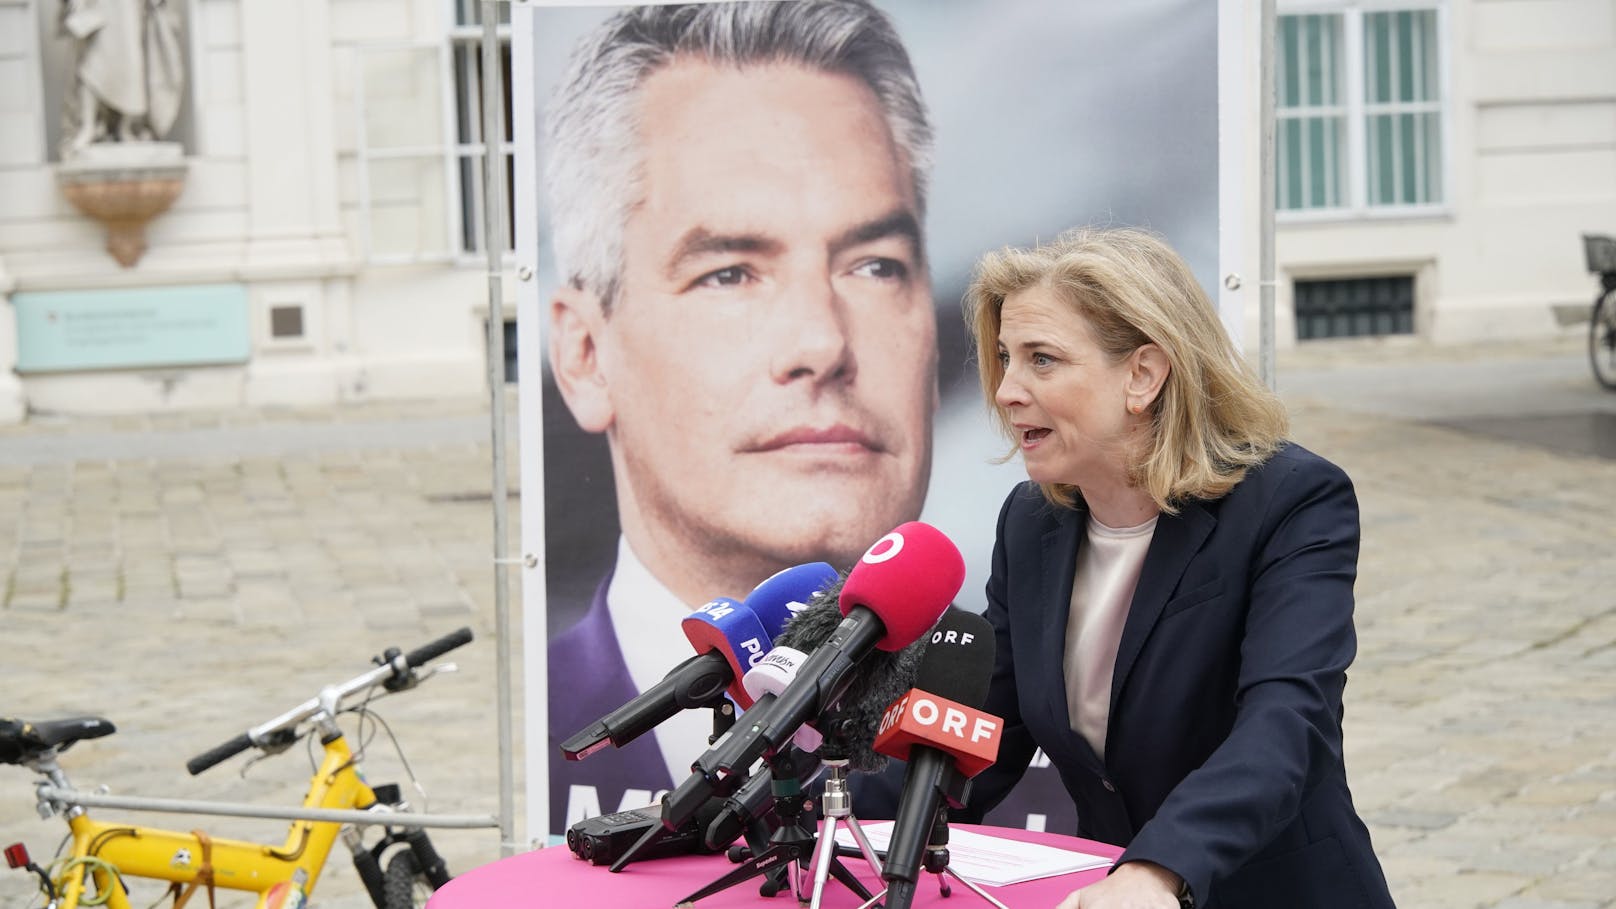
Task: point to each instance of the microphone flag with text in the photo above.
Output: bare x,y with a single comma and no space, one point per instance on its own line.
939,728
729,637
890,598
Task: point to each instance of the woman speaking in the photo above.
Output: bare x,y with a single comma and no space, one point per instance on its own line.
1171,590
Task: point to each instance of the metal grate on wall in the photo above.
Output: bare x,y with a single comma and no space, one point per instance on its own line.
1355,307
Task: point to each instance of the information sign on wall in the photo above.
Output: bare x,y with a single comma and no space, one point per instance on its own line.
131,328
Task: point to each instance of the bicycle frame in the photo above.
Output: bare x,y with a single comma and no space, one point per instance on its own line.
168,855
104,853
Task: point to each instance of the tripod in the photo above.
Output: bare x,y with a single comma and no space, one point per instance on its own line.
793,842
900,893
837,807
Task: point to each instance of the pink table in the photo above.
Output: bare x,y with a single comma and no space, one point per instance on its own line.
554,877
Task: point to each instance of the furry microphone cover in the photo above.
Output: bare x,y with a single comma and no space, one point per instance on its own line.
876,681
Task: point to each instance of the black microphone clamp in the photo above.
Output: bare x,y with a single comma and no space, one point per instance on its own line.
956,791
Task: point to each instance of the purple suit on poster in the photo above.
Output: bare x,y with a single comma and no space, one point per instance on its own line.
588,679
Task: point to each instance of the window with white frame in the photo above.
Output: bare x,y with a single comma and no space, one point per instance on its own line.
465,41
1360,118
406,191
420,176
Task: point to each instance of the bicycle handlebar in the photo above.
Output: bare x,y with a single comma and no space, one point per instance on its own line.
218,753
291,718
441,646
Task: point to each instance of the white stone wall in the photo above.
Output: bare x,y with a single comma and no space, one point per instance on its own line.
298,181
271,200
18,127
1533,165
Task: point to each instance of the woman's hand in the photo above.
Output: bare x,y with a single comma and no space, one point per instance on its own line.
1136,885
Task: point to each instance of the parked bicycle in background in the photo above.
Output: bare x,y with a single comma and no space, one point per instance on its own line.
1600,251
399,869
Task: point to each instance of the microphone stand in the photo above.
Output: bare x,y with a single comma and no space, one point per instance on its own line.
935,862
791,843
837,807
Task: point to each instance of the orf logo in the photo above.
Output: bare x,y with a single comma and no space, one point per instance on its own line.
928,712
970,737
893,714
884,549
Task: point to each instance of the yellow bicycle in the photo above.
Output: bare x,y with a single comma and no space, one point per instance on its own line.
103,854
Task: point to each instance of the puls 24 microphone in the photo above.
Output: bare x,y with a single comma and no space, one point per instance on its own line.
892,596
729,637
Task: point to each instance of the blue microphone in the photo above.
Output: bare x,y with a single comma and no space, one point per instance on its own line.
786,593
729,637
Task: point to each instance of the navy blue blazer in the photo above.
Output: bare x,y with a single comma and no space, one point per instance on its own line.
588,678
1223,750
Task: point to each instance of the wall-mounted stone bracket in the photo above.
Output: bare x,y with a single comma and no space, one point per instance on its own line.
124,185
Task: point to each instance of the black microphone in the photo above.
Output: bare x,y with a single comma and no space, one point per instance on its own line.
844,732
939,728
846,729
697,682
752,801
892,597
728,637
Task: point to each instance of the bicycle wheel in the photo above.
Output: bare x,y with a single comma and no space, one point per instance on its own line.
1602,341
404,884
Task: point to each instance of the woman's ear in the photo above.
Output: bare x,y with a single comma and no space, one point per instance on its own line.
1147,373
576,327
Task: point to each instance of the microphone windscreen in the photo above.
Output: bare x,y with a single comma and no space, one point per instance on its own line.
728,627
850,725
874,682
958,661
907,579
812,625
787,593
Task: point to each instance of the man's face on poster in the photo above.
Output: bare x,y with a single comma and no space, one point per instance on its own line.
767,372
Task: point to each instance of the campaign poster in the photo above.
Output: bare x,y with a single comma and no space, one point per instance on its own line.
740,331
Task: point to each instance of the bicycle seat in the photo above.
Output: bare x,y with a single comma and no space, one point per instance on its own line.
20,739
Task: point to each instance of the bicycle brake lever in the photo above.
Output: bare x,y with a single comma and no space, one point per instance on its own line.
248,764
273,744
410,678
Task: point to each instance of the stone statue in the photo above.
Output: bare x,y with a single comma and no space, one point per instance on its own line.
128,72
122,100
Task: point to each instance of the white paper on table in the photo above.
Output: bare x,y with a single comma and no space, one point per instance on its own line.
992,860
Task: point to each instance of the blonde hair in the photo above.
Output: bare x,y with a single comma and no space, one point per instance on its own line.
1213,419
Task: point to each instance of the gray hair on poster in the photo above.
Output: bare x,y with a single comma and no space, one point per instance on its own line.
590,173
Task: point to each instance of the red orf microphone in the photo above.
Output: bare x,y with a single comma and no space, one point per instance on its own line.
940,729
970,736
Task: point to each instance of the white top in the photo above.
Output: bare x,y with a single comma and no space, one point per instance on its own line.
1108,566
646,616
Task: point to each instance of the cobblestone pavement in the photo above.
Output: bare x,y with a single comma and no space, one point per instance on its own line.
188,575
